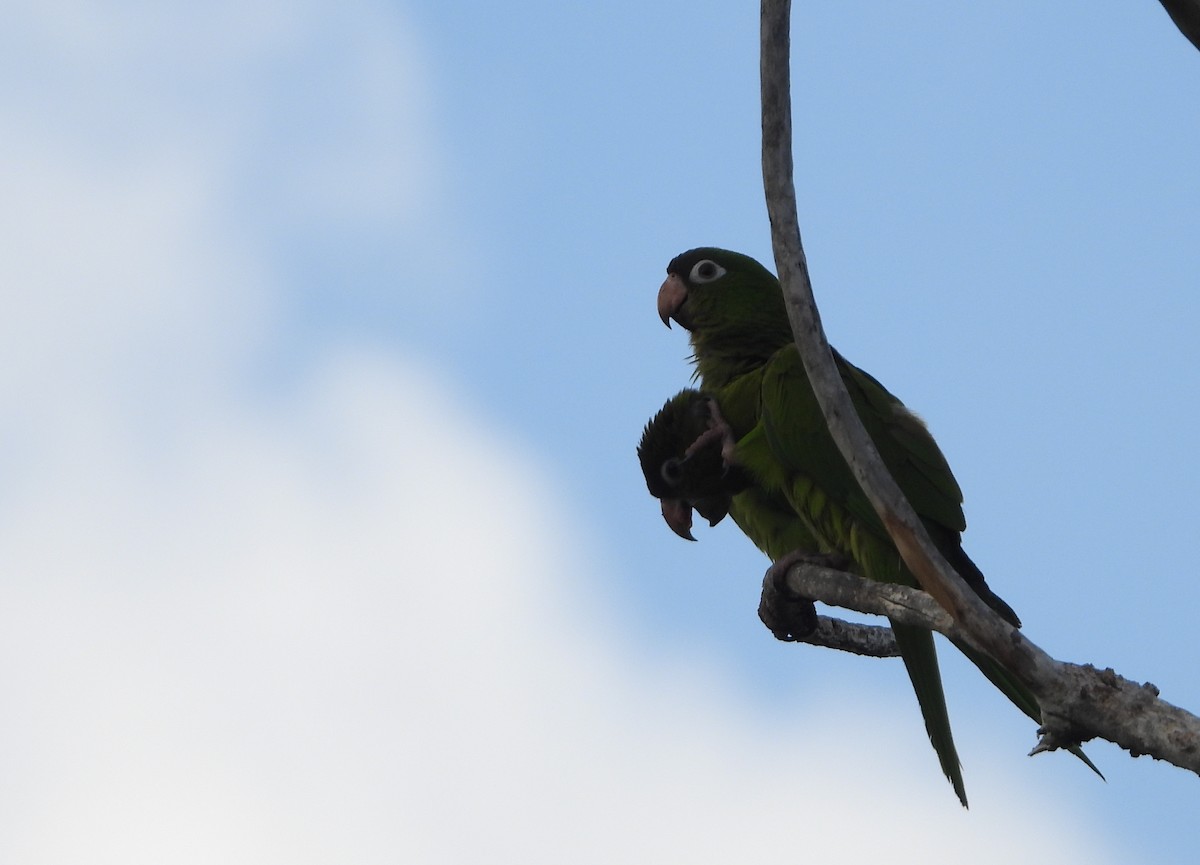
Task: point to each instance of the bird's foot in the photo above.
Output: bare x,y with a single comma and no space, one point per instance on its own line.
786,614
718,431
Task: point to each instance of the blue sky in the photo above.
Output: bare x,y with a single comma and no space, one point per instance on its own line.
330,332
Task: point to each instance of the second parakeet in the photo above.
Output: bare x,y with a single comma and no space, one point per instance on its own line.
681,454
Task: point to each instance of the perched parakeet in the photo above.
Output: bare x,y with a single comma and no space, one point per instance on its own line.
687,456
746,360
682,460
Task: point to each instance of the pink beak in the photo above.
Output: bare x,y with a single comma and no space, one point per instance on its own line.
671,296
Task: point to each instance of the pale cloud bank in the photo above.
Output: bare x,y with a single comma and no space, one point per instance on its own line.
345,631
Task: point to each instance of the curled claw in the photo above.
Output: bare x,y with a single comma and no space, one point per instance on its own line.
787,615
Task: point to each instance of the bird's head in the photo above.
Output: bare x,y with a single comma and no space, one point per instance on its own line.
682,470
731,305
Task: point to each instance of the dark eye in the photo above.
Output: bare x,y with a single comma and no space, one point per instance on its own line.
672,472
706,271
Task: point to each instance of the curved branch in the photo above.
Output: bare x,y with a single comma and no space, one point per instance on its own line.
1078,702
902,604
872,641
1088,702
905,528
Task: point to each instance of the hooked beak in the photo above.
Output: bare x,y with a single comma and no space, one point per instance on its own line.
678,515
671,296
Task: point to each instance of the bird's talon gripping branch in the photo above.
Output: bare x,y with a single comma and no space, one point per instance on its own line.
1057,734
788,618
787,615
779,570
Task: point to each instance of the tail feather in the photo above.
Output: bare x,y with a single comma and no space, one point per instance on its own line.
1020,696
920,658
1008,684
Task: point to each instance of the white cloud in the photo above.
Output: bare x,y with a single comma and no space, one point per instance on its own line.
344,626
345,631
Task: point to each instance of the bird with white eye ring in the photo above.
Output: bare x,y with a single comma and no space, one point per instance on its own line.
706,271
800,487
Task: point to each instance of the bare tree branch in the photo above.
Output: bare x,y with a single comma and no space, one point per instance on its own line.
1186,15
1097,702
919,553
1077,702
873,641
903,604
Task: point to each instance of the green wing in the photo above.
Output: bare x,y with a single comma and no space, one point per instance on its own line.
795,461
907,449
800,440
807,468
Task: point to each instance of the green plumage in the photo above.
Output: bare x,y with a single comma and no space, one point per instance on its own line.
685,472
802,493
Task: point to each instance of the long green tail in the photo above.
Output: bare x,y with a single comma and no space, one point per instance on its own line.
920,657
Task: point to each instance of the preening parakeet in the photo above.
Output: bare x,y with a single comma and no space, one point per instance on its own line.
746,360
687,456
682,460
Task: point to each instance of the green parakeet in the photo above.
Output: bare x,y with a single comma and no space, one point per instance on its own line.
746,360
687,456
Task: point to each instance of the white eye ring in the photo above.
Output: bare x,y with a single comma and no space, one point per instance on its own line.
706,271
